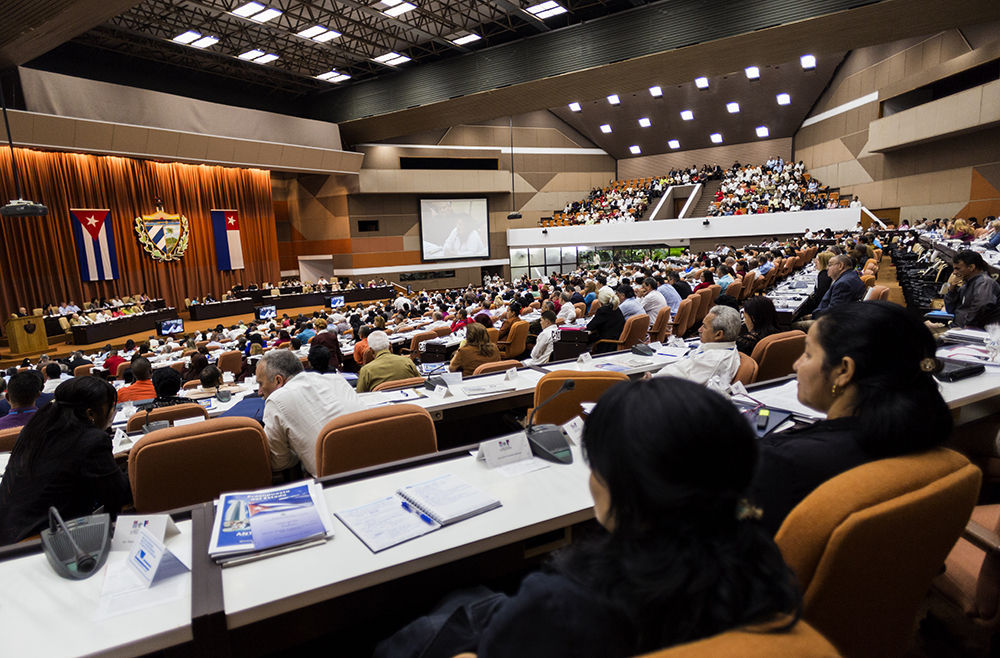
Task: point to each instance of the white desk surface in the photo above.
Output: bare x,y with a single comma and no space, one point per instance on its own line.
533,503
632,364
523,383
42,614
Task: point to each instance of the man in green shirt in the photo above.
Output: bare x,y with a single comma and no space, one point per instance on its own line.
386,366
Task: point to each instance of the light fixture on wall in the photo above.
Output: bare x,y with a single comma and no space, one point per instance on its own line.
19,207
513,213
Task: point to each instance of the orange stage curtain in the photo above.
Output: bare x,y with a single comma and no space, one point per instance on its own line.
38,260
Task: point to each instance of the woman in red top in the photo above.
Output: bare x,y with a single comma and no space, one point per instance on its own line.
461,319
707,279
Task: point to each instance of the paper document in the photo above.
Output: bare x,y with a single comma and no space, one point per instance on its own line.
385,523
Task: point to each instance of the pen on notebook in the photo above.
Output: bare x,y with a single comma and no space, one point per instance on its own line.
426,519
407,507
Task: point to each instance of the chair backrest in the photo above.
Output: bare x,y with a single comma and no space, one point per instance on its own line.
176,412
868,280
200,344
877,293
747,372
8,438
734,289
64,325
581,309
716,290
496,366
594,305
775,354
802,641
191,464
367,356
82,371
194,383
420,337
441,332
590,385
122,367
748,283
517,340
865,545
494,334
660,328
399,383
231,361
374,436
685,315
704,298
635,331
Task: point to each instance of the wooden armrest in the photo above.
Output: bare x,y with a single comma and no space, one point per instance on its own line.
982,537
608,340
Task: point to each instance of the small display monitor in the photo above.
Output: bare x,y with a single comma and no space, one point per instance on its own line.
170,327
265,312
335,301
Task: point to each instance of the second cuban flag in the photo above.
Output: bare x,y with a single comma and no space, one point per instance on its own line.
228,247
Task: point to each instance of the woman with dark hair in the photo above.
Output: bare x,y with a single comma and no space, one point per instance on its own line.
513,315
761,320
868,366
195,366
707,280
681,559
476,351
63,458
283,337
167,384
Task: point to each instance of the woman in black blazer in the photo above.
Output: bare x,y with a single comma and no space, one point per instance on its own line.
607,322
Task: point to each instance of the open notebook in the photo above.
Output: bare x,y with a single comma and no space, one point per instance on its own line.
416,510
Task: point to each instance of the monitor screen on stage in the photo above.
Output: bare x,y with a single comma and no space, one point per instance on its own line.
170,327
335,301
454,228
265,312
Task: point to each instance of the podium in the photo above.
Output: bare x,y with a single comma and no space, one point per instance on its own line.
26,335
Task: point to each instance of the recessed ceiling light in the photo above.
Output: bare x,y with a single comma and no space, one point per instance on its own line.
392,59
266,15
546,9
248,9
575,107
808,61
468,38
399,9
674,144
251,54
701,83
716,138
784,99
266,59
258,56
687,115
605,128
762,131
205,42
326,36
614,100
645,122
310,32
634,149
752,72
655,91
187,37
733,107
333,76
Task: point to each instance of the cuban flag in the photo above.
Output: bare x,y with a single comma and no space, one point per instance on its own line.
95,244
228,247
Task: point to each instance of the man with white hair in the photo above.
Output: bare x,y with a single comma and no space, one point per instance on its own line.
716,361
385,366
297,405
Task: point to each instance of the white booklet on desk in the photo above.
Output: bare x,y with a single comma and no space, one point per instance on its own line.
415,510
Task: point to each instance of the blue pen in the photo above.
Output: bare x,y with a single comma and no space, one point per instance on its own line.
407,507
426,519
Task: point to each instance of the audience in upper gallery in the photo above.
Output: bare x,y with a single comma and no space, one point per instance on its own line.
297,406
776,186
385,366
715,362
476,350
21,394
760,319
63,459
973,297
680,556
868,366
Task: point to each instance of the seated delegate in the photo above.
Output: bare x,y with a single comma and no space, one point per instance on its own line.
679,558
868,366
63,458
716,360
476,351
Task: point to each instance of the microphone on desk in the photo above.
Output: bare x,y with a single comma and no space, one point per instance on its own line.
549,441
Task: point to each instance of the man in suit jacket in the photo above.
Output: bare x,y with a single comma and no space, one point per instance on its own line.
846,287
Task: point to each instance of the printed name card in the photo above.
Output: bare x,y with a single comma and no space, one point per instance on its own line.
656,345
584,359
153,561
574,430
510,375
505,450
128,527
440,392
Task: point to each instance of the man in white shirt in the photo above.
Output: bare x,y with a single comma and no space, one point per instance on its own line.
714,363
567,312
297,406
627,303
652,300
542,351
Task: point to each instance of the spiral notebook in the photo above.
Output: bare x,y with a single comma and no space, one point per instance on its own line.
416,510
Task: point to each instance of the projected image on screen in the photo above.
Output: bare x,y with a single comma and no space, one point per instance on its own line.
454,228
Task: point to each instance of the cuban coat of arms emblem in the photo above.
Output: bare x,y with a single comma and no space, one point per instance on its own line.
162,235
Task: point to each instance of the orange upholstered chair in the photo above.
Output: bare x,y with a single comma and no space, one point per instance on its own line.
594,305
735,289
748,284
747,372
775,354
517,340
661,328
231,361
581,309
868,280
496,366
442,332
634,332
191,464
877,293
374,436
409,382
590,385
82,371
866,544
704,299
194,383
414,348
176,412
494,334
122,367
8,438
684,319
802,641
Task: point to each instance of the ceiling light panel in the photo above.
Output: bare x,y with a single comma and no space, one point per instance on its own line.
674,144
687,115
327,36
762,131
732,107
634,149
265,59
716,138
614,100
645,122
468,38
251,55
575,107
701,83
188,37
249,9
656,91
546,9
752,72
266,15
392,59
399,9
311,32
783,99
808,61
205,42
605,128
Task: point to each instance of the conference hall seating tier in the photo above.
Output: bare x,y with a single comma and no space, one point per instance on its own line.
866,544
374,436
190,464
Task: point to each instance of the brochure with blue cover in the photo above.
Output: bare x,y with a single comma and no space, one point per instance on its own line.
255,521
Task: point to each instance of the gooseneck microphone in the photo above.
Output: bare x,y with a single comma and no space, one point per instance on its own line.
85,562
549,441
